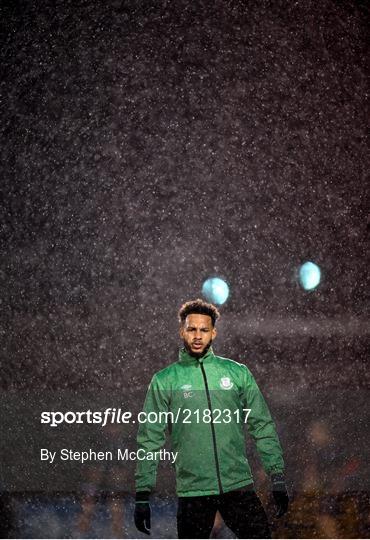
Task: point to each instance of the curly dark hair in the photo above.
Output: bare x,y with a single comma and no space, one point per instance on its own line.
201,307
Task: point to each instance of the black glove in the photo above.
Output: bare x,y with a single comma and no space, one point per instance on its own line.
142,512
280,494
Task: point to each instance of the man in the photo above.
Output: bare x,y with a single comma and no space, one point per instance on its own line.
209,399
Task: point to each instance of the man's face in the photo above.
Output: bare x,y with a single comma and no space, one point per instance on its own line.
197,333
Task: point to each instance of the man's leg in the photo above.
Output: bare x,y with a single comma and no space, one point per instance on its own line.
195,516
243,513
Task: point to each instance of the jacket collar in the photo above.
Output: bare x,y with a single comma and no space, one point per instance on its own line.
185,357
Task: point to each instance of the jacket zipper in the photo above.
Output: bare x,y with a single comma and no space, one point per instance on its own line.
212,428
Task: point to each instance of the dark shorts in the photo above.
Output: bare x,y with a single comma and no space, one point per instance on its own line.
241,510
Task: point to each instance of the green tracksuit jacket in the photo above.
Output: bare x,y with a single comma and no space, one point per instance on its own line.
211,454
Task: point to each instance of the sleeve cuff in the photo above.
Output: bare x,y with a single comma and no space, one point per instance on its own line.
142,496
278,478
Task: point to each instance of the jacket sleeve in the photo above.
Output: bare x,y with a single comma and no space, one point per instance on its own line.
261,426
151,435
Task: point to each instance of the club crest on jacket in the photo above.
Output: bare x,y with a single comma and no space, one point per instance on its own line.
226,384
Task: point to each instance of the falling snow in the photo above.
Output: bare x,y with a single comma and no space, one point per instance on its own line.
148,146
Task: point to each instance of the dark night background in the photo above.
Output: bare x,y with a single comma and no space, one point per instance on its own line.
149,145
